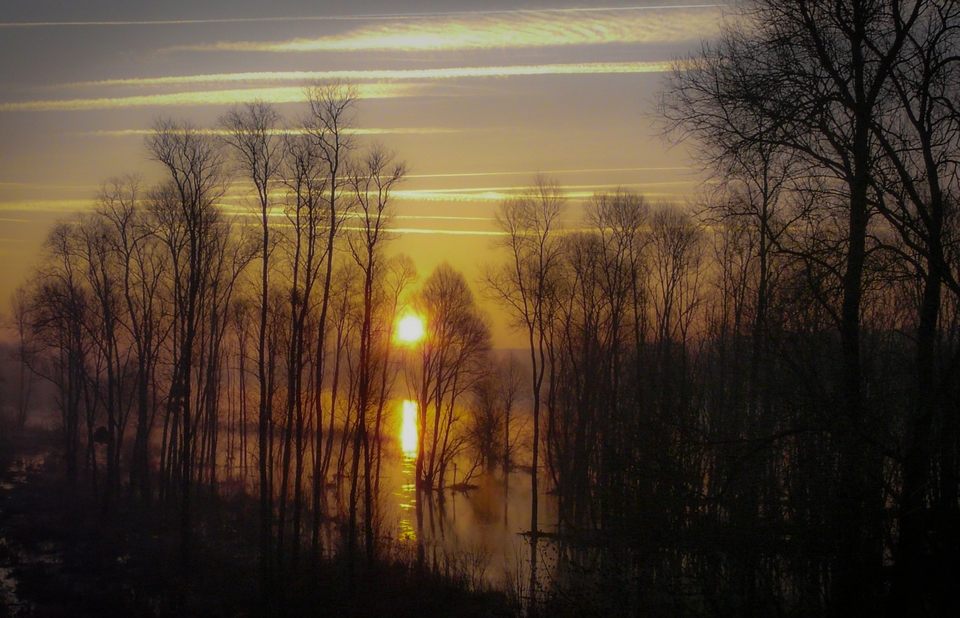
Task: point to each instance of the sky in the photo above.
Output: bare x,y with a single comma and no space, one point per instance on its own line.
475,100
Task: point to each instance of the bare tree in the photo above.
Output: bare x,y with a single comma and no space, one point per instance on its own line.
400,272
814,79
25,354
250,131
305,252
919,137
456,343
372,183
142,274
103,273
188,218
328,129
524,285
58,307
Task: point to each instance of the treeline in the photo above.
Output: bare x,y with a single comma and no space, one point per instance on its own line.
754,411
230,329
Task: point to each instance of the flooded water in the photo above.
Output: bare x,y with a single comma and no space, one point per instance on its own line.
480,528
13,558
483,520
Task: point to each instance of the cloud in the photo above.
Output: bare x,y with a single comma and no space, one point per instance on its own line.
499,194
418,230
369,17
387,75
373,84
444,218
349,131
498,30
189,22
45,206
284,94
532,173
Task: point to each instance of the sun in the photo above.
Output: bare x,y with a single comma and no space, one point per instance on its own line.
410,329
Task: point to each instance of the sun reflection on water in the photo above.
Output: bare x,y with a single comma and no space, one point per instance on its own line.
407,499
408,490
408,430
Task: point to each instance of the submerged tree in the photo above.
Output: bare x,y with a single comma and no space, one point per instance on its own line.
250,133
57,304
372,183
455,346
25,354
525,286
494,432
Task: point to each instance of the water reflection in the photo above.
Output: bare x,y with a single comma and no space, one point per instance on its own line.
408,430
407,496
480,530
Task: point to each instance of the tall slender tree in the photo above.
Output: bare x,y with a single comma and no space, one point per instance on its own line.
372,182
328,128
188,221
524,285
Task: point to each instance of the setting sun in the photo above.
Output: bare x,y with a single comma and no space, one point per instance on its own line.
410,329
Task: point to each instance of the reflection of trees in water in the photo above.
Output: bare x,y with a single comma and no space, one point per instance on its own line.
475,534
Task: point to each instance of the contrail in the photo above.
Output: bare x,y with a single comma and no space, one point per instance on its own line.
371,17
45,205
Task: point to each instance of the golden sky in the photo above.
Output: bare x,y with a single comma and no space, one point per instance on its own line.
476,101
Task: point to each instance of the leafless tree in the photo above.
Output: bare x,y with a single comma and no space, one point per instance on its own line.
304,253
102,275
58,307
328,128
188,223
25,354
919,137
142,274
524,285
456,343
854,99
250,131
372,182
